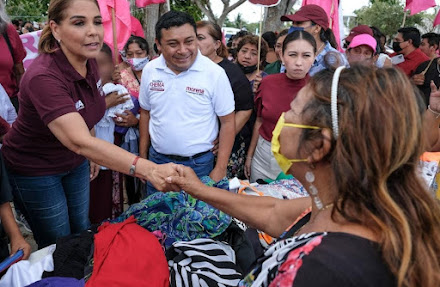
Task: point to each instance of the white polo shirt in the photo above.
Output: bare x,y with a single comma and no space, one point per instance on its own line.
184,107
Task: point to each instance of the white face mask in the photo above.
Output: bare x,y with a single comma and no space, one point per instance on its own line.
138,64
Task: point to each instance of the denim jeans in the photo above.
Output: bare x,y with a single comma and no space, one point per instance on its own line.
54,205
202,165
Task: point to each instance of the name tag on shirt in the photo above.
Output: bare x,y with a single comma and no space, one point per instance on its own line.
157,86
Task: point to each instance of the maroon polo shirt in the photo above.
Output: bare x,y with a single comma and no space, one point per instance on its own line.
273,98
412,61
50,88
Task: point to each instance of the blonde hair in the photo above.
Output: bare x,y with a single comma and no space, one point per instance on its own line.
56,13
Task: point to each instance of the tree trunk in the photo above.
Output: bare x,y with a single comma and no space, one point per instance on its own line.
272,15
151,17
205,6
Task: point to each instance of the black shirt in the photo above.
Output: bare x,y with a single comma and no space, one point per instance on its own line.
433,74
240,86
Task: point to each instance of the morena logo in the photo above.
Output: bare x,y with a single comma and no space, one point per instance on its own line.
195,91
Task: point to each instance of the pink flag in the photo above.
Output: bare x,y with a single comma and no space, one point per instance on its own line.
143,3
417,6
437,20
331,7
123,21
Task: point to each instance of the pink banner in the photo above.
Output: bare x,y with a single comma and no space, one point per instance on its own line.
30,43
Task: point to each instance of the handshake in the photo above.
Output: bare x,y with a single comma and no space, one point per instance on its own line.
174,177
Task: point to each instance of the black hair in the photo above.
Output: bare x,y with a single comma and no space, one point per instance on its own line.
106,49
282,33
270,38
433,38
240,34
377,35
173,19
328,36
300,35
16,22
143,44
411,33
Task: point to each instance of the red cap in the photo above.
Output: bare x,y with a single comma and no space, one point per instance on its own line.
358,30
309,12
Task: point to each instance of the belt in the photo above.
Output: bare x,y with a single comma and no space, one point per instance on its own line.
185,158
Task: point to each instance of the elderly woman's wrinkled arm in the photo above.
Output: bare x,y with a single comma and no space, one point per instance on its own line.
268,214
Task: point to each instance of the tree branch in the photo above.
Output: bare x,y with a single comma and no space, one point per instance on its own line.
228,9
206,9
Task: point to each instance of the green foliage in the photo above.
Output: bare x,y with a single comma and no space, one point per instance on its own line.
29,10
388,17
178,5
189,7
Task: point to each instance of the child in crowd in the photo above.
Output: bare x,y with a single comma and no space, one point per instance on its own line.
106,199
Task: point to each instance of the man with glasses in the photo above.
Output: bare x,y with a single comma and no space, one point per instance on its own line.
406,44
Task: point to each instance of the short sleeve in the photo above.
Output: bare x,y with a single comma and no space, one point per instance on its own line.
223,98
144,98
243,94
50,97
17,45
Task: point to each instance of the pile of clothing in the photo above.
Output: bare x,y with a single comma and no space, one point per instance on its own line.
168,239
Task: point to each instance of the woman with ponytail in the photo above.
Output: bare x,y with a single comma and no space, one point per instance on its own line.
353,137
50,151
313,19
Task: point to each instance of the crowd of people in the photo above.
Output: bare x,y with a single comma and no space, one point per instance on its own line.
81,134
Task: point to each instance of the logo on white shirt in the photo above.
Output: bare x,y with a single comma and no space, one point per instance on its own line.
195,91
79,105
157,85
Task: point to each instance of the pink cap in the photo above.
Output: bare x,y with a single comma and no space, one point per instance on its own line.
364,39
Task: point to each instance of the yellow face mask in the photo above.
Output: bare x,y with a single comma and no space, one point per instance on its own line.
282,161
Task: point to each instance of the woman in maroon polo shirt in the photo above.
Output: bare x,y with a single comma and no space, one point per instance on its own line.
273,97
46,150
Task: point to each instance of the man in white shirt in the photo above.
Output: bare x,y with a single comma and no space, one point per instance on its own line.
183,97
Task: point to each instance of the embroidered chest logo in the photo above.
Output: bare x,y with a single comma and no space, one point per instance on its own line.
79,105
157,85
195,91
